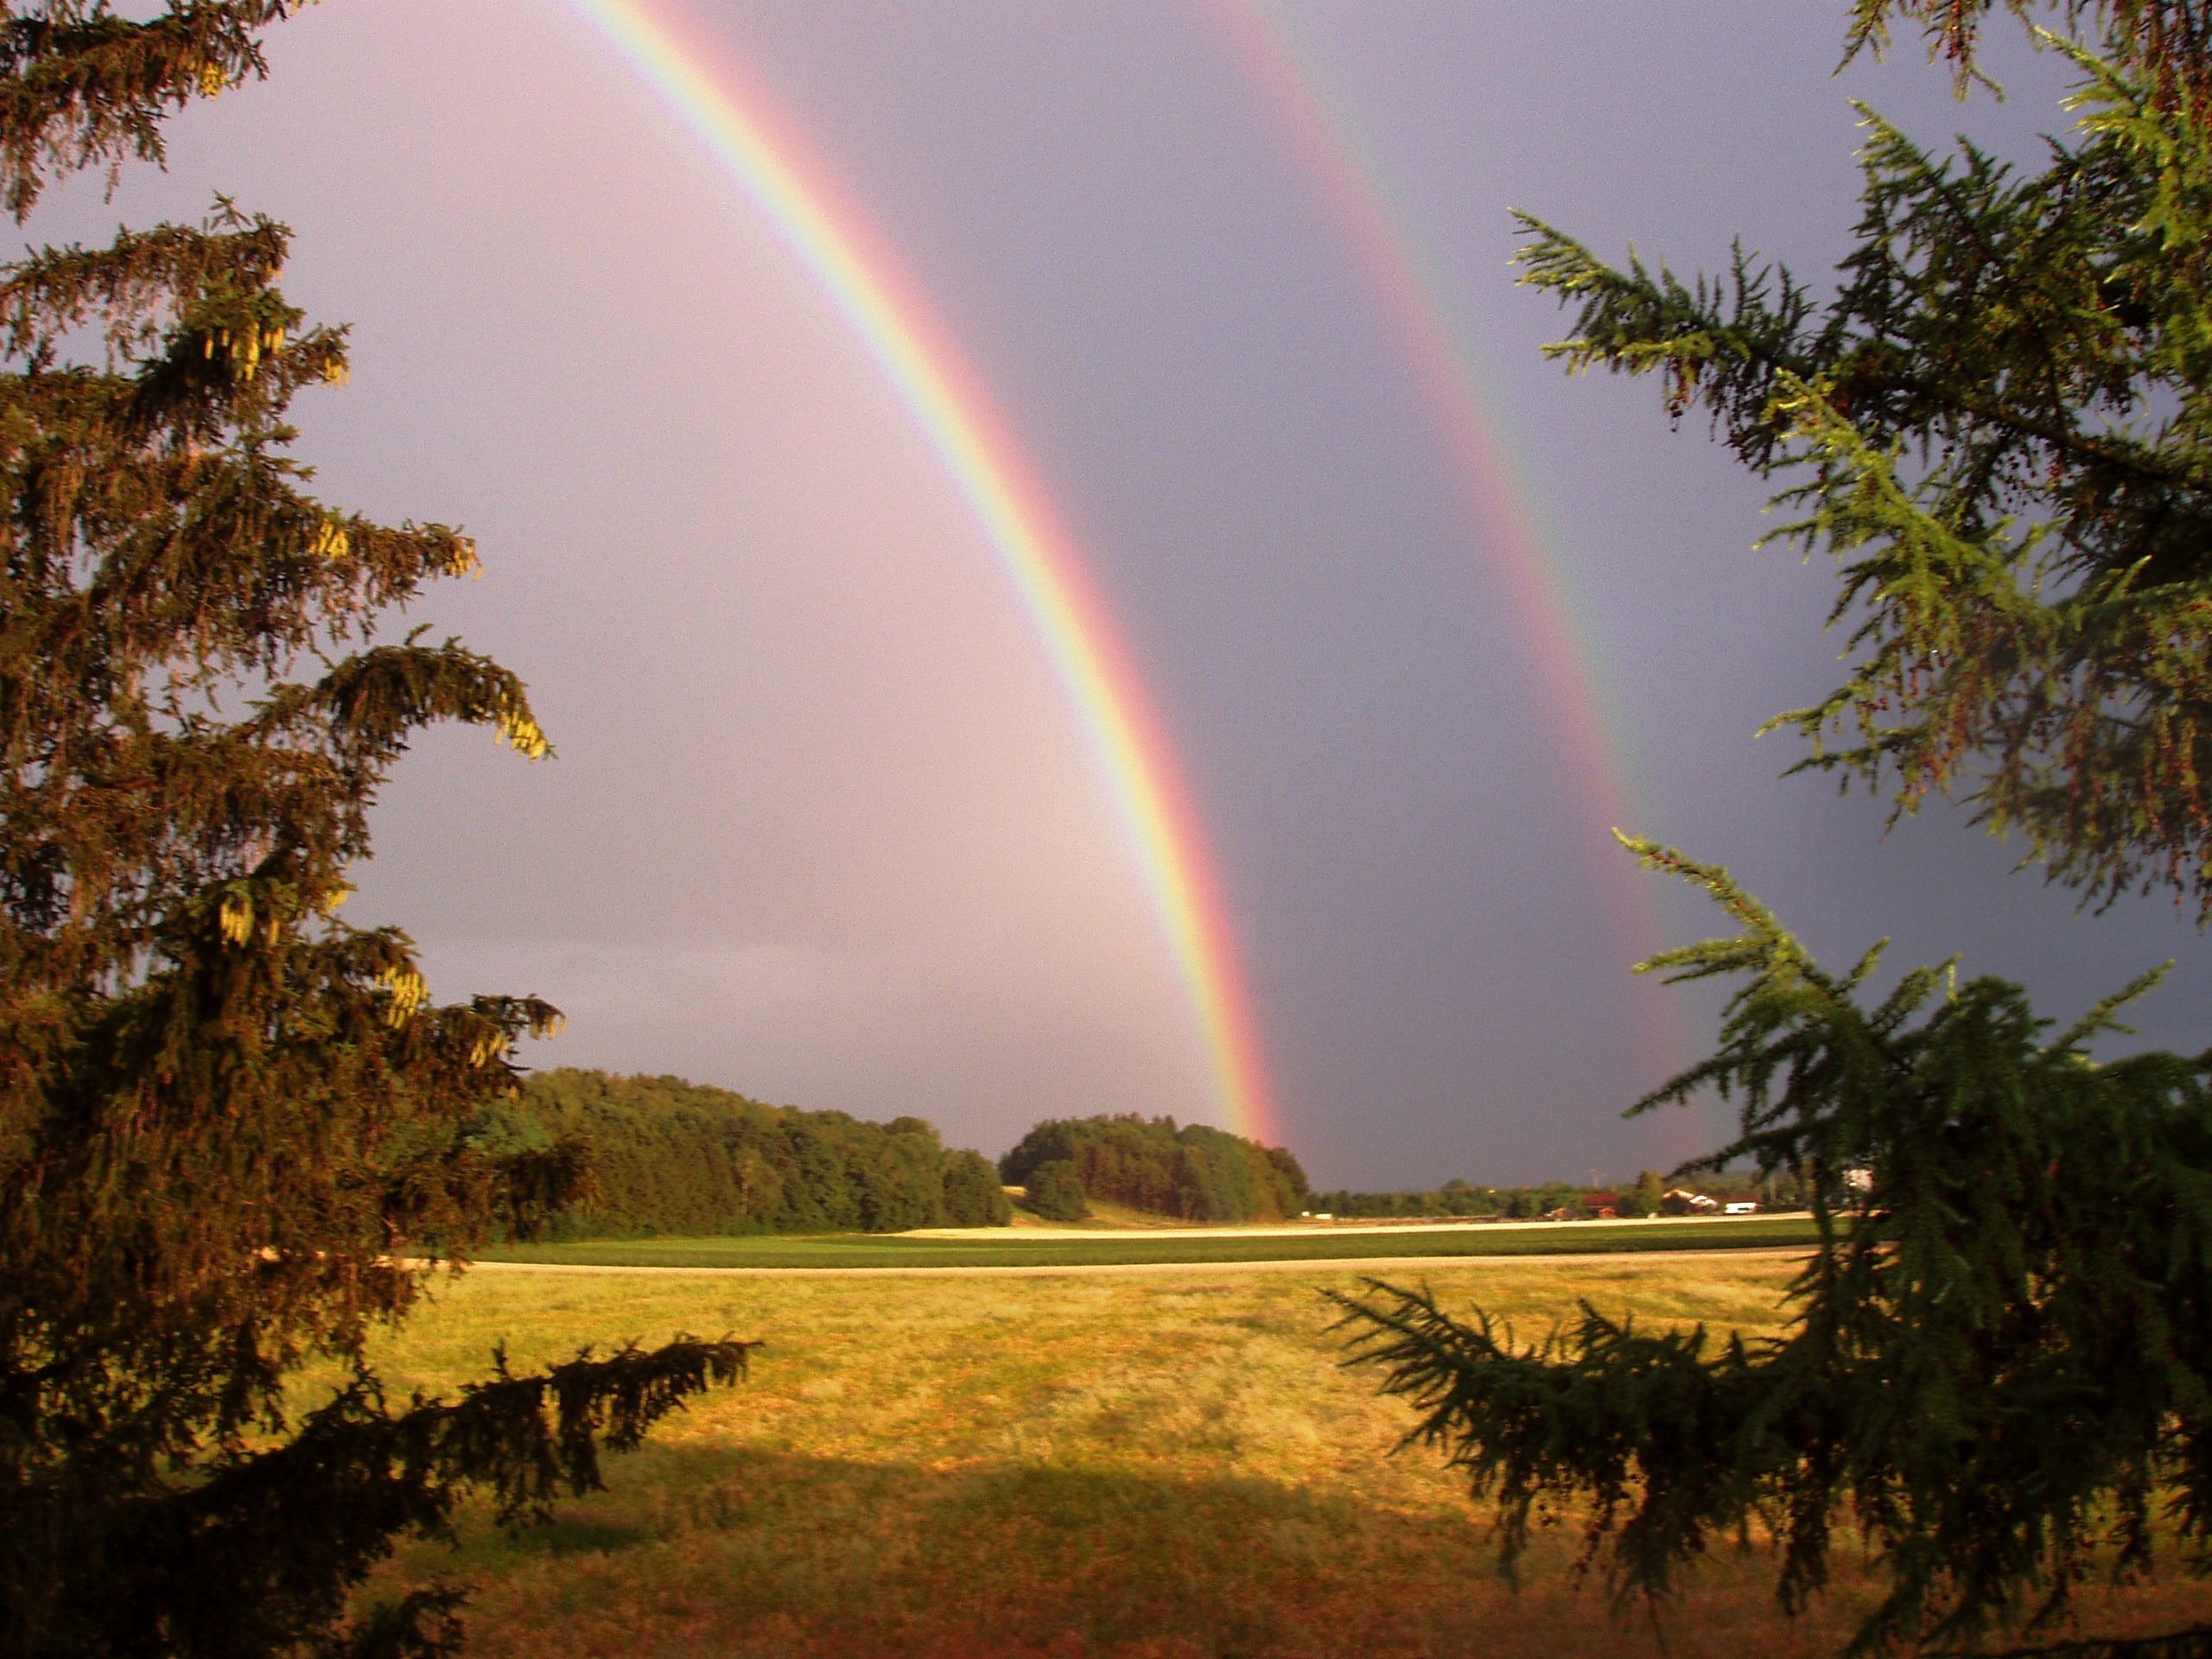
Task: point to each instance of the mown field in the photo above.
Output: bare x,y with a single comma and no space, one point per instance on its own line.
1043,1249
1131,1466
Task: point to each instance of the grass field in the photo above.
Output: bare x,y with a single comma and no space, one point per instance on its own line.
1043,1249
1134,1465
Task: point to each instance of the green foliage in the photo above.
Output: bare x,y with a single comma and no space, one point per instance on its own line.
1644,1198
233,1132
1458,1199
2168,40
973,1194
1056,1191
1998,1371
1195,1173
80,86
1999,425
1999,1363
682,1159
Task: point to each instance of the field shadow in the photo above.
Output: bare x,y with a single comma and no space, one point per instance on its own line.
730,1551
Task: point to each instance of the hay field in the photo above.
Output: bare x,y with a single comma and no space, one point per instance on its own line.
1127,1466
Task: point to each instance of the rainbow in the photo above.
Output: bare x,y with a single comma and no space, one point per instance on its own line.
735,124
1327,139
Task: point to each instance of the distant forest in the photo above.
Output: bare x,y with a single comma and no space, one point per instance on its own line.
682,1159
1194,1172
1645,1198
675,1159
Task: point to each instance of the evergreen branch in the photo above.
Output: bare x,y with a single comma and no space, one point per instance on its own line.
2102,1016
81,87
354,1478
2169,40
1994,1358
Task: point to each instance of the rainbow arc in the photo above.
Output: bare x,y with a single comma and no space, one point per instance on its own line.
737,125
1323,134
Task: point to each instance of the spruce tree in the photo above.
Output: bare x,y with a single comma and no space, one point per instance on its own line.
1999,1370
235,1134
2000,426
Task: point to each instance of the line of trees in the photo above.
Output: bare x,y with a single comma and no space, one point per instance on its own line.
1194,1172
672,1157
1779,1190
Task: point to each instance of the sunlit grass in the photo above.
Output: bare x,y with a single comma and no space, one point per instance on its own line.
1069,1247
1156,1465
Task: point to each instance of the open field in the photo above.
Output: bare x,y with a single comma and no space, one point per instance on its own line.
1167,1465
1006,1248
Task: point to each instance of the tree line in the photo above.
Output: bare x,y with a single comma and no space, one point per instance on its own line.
672,1157
1193,1173
1776,1189
669,1157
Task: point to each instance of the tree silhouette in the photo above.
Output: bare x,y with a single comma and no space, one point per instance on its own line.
234,1132
1997,1371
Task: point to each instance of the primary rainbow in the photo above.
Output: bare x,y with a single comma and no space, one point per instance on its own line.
734,121
1325,134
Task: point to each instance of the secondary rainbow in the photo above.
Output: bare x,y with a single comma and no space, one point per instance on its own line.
735,122
1325,134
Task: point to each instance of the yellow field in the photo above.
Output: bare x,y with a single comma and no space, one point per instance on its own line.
1162,1464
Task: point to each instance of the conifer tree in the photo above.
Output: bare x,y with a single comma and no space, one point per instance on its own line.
234,1132
2000,425
1998,1371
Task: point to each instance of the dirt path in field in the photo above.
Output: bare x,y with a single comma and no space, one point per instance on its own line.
1311,1264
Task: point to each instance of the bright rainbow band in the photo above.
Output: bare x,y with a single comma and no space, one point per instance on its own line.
1335,156
733,121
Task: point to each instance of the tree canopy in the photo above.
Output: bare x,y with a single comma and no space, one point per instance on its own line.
1197,1172
1055,1189
677,1158
2168,42
235,1133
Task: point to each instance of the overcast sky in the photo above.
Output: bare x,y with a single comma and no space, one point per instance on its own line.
821,827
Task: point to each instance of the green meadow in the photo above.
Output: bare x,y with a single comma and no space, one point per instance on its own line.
1167,1464
1041,1247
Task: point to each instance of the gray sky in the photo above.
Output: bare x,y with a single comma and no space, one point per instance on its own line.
822,827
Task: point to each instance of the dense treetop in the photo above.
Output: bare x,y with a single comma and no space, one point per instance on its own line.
1195,1173
676,1158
